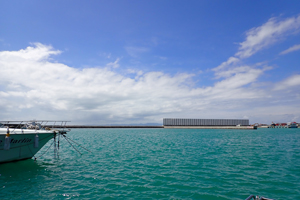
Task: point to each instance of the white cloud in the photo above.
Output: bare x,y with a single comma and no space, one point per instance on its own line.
39,52
240,88
266,35
229,62
257,39
32,86
291,49
242,76
114,64
286,84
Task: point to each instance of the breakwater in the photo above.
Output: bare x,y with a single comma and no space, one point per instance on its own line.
95,126
87,126
168,127
141,126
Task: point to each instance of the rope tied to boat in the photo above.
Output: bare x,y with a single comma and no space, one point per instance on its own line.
56,144
40,155
44,152
77,144
71,144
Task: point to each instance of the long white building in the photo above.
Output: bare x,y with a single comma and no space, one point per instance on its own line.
204,122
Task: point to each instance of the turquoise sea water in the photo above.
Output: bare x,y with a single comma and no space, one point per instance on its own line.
161,164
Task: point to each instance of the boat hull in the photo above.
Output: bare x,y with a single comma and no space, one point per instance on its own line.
23,145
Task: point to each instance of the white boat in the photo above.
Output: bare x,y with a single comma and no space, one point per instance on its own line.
25,140
292,125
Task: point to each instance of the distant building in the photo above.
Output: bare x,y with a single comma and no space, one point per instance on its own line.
204,122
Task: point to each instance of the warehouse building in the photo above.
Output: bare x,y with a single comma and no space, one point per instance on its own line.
204,122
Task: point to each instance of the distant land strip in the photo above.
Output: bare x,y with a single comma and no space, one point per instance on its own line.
147,126
89,126
140,126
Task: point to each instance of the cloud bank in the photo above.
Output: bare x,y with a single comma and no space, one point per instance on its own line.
35,86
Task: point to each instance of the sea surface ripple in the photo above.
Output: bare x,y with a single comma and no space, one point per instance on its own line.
161,164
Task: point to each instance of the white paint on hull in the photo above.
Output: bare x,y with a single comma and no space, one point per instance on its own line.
22,143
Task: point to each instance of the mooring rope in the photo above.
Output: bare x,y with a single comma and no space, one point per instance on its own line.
58,141
31,152
56,149
78,144
44,152
71,144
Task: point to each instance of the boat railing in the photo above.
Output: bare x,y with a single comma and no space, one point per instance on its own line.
35,124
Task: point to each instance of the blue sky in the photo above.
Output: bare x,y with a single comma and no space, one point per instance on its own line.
124,62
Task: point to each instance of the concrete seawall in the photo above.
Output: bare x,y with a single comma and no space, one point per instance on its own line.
88,126
168,127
